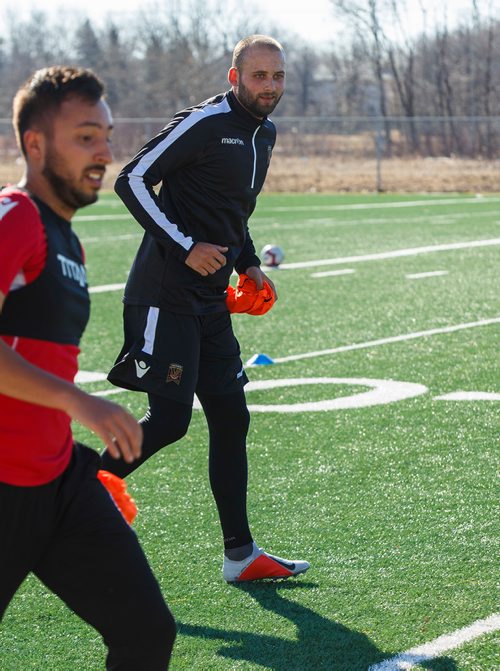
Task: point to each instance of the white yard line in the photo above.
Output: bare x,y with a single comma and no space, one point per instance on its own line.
110,392
379,206
334,273
396,253
102,217
111,238
337,221
347,348
346,259
86,376
320,208
386,341
103,288
430,273
427,651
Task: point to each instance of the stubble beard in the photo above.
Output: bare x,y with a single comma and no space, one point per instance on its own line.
69,195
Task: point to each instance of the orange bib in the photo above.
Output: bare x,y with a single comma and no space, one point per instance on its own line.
246,298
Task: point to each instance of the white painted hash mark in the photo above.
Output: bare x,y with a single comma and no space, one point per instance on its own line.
427,651
431,273
469,396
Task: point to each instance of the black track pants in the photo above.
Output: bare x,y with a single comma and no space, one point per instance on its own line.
166,421
72,537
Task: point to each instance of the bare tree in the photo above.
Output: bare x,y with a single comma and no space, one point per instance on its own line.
179,52
88,45
482,74
365,16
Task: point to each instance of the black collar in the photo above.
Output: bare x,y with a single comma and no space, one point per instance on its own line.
238,108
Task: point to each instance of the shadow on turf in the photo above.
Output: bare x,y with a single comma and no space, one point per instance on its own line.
319,644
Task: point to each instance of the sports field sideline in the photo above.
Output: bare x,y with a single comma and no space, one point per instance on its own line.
373,448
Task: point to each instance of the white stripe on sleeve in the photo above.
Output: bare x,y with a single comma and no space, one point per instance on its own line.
136,176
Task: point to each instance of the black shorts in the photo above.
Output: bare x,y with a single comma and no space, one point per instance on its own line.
176,355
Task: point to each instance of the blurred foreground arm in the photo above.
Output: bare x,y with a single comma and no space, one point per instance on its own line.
117,429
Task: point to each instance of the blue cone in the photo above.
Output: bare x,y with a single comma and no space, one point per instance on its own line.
259,360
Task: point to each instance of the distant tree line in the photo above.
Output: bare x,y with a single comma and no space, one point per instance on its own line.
157,62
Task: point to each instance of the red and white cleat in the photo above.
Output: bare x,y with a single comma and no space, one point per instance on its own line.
260,566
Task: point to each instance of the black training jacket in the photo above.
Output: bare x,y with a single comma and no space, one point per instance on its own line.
211,161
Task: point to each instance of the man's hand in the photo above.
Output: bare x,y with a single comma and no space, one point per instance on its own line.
118,430
256,274
206,259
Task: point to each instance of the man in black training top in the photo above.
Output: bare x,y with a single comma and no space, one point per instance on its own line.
211,161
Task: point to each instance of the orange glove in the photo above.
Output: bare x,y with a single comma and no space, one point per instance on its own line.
118,491
246,298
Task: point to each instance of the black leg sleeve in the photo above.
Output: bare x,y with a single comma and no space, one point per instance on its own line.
228,421
165,422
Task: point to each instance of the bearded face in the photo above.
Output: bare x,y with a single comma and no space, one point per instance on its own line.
259,82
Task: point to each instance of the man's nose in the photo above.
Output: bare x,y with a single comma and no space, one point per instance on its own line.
104,154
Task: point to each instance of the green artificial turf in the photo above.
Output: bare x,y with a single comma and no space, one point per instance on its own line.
394,505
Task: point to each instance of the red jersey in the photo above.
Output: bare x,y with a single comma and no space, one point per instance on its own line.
43,317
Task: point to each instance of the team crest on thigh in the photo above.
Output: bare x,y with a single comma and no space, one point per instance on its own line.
174,373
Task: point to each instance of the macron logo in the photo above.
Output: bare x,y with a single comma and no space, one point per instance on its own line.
141,368
232,140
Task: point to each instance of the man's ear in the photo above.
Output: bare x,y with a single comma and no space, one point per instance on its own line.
233,76
34,144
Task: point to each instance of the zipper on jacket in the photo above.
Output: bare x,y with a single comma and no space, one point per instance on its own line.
254,157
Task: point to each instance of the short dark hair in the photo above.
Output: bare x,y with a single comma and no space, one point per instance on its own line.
41,96
253,41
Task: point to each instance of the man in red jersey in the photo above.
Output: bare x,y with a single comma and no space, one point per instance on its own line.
57,520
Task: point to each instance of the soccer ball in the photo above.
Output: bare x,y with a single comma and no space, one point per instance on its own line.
272,255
